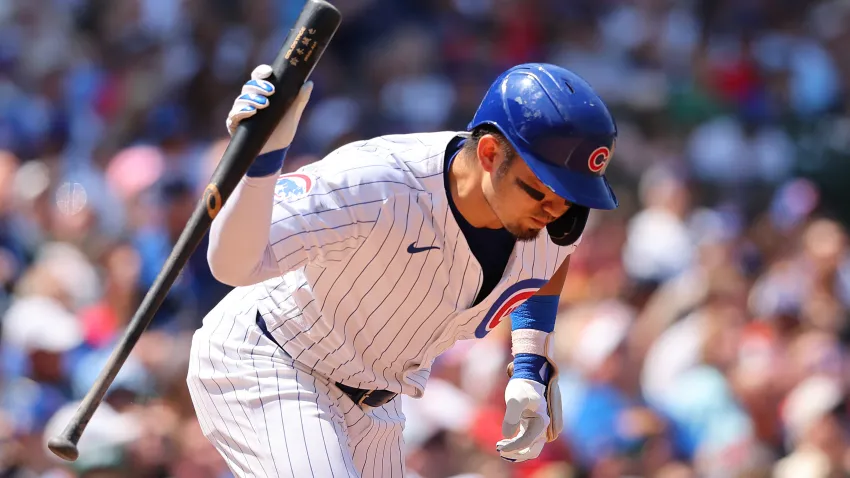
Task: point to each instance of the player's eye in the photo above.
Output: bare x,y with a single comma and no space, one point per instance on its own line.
533,193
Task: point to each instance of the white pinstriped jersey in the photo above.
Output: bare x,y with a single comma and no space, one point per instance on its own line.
378,279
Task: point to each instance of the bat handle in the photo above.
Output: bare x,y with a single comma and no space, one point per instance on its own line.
64,447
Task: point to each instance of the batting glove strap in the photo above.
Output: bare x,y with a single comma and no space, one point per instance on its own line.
531,367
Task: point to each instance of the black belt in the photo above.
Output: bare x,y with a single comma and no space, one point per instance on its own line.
372,398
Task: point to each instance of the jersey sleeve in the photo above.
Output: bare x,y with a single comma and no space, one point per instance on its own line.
318,215
273,225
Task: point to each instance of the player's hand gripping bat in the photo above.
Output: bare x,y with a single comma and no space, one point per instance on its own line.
304,46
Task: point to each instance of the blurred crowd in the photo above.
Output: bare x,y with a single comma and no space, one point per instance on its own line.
704,327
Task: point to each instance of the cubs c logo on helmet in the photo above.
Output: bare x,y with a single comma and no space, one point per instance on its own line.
598,160
292,186
510,299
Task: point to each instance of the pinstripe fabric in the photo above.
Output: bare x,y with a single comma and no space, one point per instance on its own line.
269,417
353,304
376,281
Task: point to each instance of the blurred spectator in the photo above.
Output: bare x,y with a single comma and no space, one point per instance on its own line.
658,246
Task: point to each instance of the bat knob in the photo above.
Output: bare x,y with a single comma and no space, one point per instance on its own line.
63,448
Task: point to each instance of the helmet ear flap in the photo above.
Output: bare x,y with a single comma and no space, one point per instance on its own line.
566,230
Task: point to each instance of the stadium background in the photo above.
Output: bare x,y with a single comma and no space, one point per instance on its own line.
704,328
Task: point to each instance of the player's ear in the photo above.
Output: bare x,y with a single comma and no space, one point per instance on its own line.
488,149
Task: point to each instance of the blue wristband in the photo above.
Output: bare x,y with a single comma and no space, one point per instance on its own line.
538,312
267,164
531,367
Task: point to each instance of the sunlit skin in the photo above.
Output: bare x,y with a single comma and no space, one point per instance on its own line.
492,192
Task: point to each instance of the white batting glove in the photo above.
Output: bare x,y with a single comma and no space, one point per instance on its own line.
526,420
256,94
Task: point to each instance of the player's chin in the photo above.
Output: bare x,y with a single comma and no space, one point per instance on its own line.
525,233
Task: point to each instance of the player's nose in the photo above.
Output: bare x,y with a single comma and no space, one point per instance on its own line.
555,209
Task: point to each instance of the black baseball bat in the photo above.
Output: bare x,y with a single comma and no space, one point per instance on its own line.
304,46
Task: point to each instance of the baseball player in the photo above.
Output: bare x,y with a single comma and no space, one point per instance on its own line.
355,272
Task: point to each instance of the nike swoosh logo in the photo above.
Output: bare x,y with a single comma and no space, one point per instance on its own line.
412,249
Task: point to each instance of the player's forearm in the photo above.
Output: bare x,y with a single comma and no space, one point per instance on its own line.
555,285
239,252
532,324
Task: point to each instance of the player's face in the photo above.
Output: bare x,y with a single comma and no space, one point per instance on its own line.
522,203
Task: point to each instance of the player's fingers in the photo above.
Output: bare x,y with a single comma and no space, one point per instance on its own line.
241,111
258,87
523,454
504,455
231,125
520,429
510,430
257,102
534,427
305,92
238,114
253,99
301,100
293,116
261,72
534,450
513,415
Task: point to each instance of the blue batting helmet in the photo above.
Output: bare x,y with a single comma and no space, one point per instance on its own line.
559,126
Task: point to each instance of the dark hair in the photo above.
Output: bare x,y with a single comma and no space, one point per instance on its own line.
471,144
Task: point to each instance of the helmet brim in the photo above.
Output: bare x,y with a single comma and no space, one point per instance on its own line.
578,188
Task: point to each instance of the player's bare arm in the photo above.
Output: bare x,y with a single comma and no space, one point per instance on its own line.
274,223
239,252
555,284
